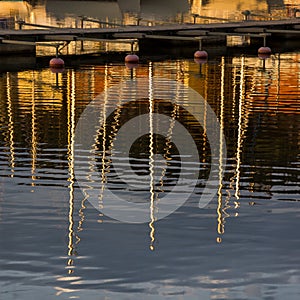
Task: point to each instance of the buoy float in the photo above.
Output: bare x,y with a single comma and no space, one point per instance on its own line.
57,70
263,56
131,58
200,61
264,50
200,54
131,65
56,62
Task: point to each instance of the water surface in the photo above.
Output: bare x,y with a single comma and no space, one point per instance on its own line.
243,245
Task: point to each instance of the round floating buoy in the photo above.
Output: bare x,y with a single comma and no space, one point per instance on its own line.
131,58
200,61
264,50
131,65
200,54
57,70
263,56
56,63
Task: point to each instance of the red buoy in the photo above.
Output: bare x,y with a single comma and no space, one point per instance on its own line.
263,56
56,62
131,65
56,70
200,54
200,61
131,58
264,50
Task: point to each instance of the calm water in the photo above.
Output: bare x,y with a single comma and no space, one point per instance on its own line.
244,244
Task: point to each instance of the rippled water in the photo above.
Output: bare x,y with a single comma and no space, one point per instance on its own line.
243,245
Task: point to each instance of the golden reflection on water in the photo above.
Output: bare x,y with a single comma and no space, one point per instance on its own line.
272,90
71,102
10,125
33,134
104,165
151,162
221,209
107,136
240,129
268,88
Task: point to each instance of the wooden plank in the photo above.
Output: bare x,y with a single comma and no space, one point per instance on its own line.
60,37
250,30
265,30
126,41
283,31
130,35
239,34
195,32
28,43
169,37
15,42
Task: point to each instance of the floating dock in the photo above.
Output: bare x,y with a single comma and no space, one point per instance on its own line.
150,37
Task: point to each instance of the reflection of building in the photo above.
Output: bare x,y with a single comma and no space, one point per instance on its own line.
101,10
68,13
232,9
118,11
128,12
18,9
227,9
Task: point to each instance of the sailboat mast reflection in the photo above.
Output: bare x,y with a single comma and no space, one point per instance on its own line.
10,125
239,139
151,160
70,157
205,141
242,123
33,134
104,164
154,194
104,160
221,210
107,136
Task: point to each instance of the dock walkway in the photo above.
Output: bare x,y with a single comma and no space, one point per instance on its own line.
287,28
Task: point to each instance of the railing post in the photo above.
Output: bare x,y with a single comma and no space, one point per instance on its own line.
246,14
20,23
195,16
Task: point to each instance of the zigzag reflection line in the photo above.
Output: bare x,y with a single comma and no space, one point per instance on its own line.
134,86
10,125
151,162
